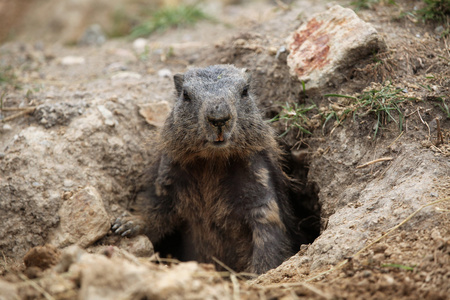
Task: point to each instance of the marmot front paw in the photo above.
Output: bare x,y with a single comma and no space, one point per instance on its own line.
128,225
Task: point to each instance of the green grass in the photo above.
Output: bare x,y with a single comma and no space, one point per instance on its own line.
383,103
442,105
294,117
399,266
338,114
7,77
437,10
368,4
122,24
363,4
169,17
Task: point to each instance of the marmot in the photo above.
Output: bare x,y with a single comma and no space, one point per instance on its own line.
218,177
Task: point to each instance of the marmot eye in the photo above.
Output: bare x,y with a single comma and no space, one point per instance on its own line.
245,91
186,96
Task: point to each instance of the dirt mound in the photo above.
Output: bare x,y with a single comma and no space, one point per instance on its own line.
80,127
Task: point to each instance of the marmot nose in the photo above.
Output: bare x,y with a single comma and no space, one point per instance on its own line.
219,122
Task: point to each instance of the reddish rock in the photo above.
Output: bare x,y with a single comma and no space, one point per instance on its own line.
324,50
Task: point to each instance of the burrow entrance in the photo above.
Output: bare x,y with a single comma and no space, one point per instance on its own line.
304,196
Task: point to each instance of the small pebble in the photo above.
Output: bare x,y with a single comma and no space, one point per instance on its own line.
139,45
7,127
439,30
73,60
126,75
93,35
115,67
280,51
68,183
165,73
2,155
107,114
366,273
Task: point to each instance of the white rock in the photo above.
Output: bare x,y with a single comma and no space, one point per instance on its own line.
73,60
7,127
83,220
107,114
126,75
140,44
325,48
165,73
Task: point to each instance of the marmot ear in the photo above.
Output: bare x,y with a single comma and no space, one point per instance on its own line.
178,79
247,75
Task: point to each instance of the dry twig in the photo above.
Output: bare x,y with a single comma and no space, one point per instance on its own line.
429,131
24,112
235,282
238,275
396,139
374,161
17,108
440,137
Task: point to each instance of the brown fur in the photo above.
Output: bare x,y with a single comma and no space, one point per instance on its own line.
218,176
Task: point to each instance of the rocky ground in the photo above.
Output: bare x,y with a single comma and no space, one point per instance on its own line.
79,125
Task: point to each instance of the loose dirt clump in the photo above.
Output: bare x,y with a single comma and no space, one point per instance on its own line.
42,257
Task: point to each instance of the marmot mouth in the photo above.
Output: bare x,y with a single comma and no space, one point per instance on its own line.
220,140
219,137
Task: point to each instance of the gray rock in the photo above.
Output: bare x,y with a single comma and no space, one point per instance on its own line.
93,36
439,30
323,50
49,115
139,245
83,220
115,67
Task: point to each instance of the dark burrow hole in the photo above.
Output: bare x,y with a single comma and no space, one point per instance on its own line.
304,199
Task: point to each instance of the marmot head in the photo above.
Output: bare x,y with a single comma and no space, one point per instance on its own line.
214,116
